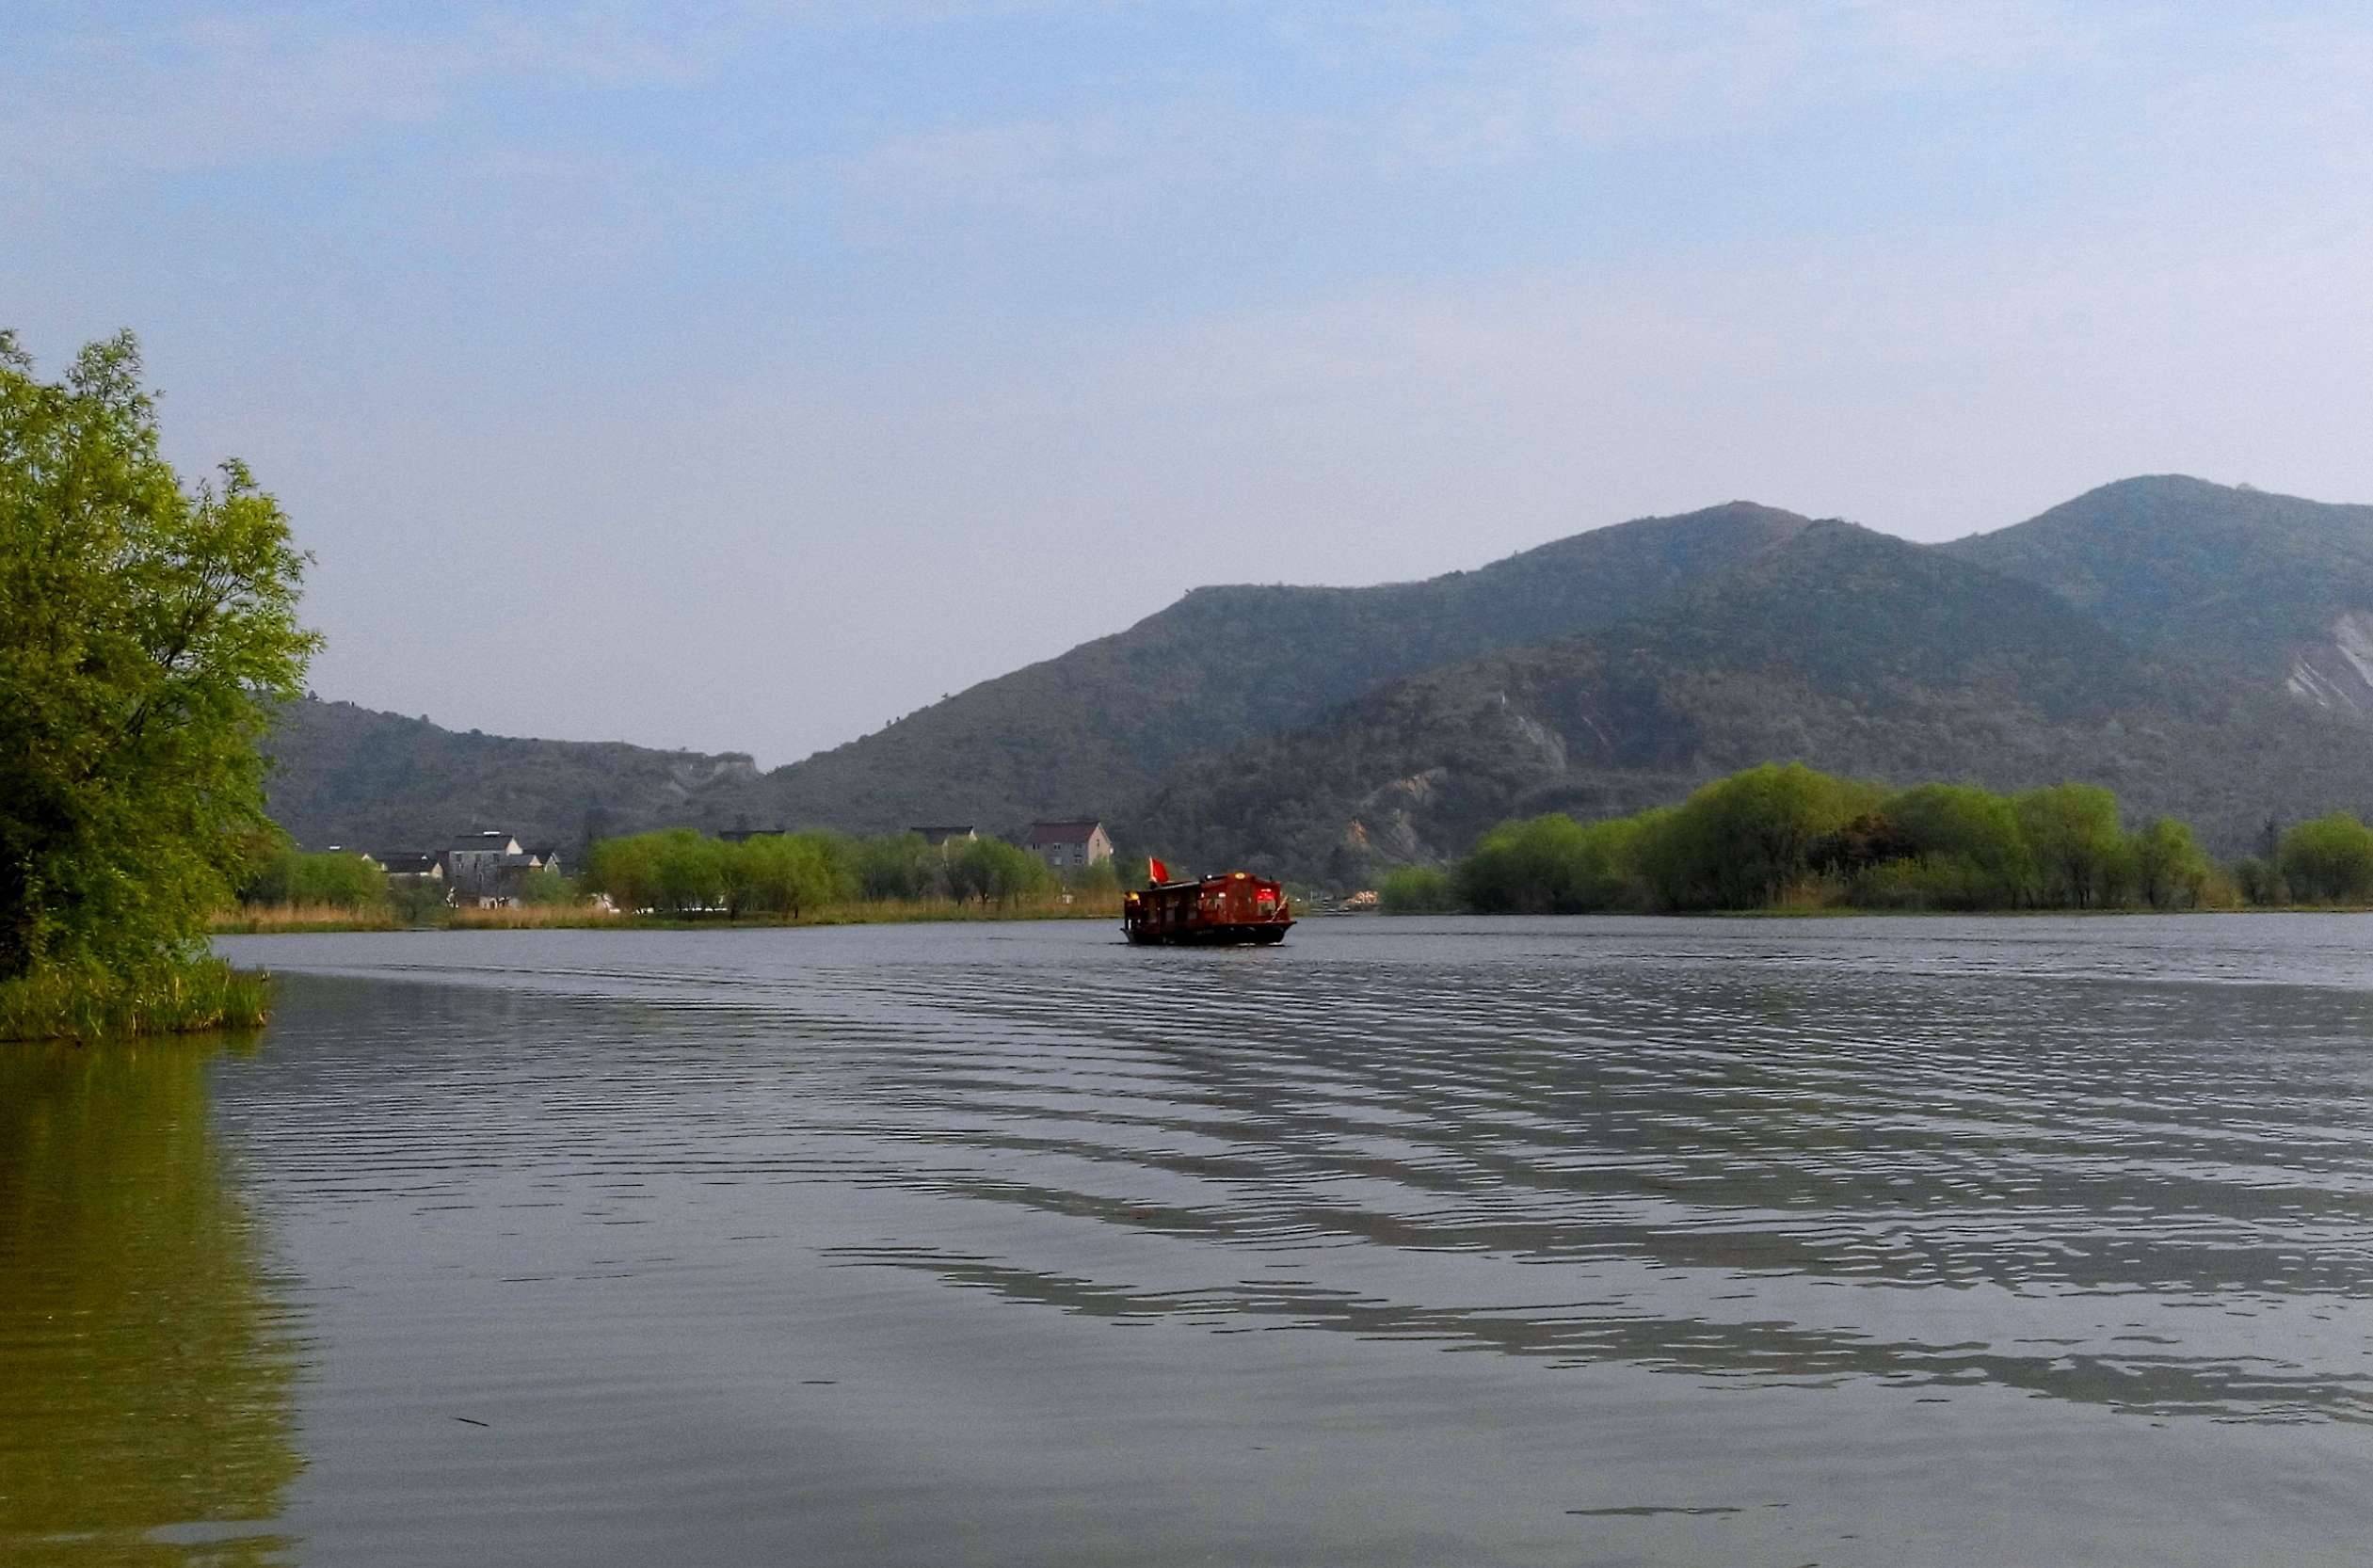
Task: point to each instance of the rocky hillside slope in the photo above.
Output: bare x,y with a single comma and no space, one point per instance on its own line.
1857,652
2268,588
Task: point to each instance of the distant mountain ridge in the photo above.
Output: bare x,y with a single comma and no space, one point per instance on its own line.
2269,588
350,775
1854,650
2207,650
1100,724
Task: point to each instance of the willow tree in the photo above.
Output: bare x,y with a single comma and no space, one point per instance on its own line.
147,629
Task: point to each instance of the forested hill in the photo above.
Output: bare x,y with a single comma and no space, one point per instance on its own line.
1097,727
379,781
2270,588
2206,650
1856,651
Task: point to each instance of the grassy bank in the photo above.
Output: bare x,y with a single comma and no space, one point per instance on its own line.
82,1002
253,919
268,920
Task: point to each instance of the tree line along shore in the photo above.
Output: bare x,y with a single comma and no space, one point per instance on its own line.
684,878
1787,838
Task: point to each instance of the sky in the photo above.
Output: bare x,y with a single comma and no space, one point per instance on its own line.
744,377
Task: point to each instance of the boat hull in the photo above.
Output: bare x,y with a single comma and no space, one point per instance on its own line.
1213,935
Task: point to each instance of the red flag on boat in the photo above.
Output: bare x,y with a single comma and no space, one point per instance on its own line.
1156,871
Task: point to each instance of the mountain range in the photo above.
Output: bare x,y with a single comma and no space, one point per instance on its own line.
2207,651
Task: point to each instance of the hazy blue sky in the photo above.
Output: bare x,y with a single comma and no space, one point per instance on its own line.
744,375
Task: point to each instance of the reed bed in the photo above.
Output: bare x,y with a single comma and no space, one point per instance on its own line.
88,1002
859,912
256,919
276,919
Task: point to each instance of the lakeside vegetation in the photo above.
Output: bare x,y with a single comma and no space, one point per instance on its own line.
147,629
681,877
1789,838
94,1001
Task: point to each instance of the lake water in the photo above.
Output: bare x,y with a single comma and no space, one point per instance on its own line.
1408,1242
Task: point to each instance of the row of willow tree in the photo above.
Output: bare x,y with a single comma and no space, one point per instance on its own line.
681,871
1789,836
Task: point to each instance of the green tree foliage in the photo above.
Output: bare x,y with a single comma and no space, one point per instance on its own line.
681,871
147,629
417,901
1554,865
1776,835
1952,846
1102,878
2258,881
2329,860
900,866
626,870
1742,843
545,888
1418,890
332,877
2080,853
788,874
995,871
2170,868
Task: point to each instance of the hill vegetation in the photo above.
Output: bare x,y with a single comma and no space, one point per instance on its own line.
1849,650
1103,723
2189,646
345,775
2270,589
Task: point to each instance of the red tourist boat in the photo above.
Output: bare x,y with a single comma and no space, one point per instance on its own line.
1233,907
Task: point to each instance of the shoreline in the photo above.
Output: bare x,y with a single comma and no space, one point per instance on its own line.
267,924
487,920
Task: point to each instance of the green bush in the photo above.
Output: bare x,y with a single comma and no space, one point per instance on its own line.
1417,890
2081,855
1554,865
788,874
331,877
1742,843
89,1001
1775,837
2329,860
995,871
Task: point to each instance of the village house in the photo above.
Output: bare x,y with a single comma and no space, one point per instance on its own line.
408,867
488,868
940,838
1070,845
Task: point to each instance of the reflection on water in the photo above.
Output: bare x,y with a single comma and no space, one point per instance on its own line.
147,1370
1560,1242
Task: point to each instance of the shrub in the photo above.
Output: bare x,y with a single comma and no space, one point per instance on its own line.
2329,860
1417,890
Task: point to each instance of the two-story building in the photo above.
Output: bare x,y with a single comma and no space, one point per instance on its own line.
488,868
1070,845
474,862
